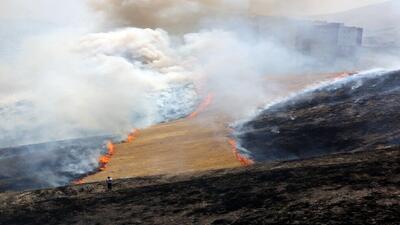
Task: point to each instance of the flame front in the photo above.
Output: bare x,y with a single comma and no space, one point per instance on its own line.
206,102
79,181
132,136
242,159
105,159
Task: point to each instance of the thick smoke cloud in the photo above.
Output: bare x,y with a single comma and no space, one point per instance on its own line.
98,83
177,15
92,83
108,83
180,15
147,62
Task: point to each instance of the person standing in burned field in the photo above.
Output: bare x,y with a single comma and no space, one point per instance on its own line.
109,182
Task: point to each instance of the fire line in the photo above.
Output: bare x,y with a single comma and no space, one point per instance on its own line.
204,104
111,149
242,159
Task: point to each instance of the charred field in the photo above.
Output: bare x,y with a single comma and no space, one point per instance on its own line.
329,155
349,188
358,184
357,113
49,164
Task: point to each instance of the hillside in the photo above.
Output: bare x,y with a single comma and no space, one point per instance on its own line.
357,185
356,113
190,144
186,145
170,148
358,188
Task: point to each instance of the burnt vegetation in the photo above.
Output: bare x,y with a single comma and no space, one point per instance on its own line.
357,120
356,114
350,188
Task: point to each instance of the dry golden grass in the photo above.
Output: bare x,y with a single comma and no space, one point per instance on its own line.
171,148
186,145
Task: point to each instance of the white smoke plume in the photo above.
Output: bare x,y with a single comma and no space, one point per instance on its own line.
88,82
146,62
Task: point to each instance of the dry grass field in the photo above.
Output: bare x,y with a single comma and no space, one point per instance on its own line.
187,145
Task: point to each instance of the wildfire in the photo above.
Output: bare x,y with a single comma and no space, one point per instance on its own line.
242,159
206,102
79,181
105,159
345,74
132,136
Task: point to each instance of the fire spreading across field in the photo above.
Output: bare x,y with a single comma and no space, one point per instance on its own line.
202,107
232,142
245,161
111,149
105,159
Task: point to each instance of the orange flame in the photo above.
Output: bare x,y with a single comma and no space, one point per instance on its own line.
345,74
206,102
105,159
242,159
132,136
79,181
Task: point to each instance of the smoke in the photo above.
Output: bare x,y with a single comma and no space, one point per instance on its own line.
98,83
144,62
331,117
176,15
89,83
182,15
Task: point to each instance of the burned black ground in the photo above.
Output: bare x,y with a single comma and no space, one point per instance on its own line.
353,188
49,164
351,129
354,114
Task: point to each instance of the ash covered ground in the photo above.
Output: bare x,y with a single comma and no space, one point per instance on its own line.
49,164
57,163
355,118
352,114
352,188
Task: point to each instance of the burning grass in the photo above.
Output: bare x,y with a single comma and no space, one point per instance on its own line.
106,158
132,136
242,159
203,106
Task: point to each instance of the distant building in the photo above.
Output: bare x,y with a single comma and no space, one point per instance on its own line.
329,40
322,40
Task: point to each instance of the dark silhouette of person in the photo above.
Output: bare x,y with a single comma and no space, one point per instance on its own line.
109,182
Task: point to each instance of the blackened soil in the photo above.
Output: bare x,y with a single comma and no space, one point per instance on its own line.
351,188
49,164
354,114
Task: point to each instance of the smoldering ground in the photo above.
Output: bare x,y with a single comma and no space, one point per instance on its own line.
356,113
139,66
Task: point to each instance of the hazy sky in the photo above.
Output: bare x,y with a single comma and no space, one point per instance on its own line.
307,7
18,17
43,11
50,10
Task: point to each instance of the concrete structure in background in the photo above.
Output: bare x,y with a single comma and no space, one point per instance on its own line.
330,41
326,41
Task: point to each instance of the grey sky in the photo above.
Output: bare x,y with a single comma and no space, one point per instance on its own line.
307,7
75,10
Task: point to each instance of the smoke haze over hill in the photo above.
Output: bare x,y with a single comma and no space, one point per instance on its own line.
117,65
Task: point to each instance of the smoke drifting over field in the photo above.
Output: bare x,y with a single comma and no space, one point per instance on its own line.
146,62
108,82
